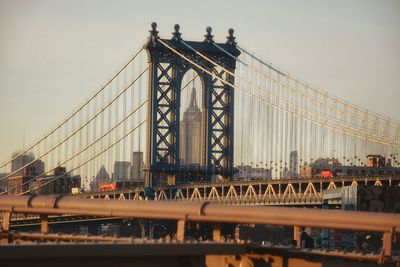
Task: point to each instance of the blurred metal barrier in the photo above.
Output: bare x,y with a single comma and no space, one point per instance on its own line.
388,224
158,253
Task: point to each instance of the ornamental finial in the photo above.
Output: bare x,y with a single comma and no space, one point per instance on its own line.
153,33
208,36
176,35
231,39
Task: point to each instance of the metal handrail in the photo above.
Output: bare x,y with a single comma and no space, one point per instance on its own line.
205,211
388,224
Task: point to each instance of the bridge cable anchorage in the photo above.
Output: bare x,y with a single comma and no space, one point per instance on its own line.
279,98
385,128
79,129
325,94
75,112
137,109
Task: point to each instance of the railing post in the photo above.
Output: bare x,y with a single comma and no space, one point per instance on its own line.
387,243
217,232
180,231
237,233
5,226
296,235
44,223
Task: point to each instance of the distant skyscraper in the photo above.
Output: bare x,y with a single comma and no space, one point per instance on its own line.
190,133
20,161
121,170
3,183
293,164
136,167
39,167
102,177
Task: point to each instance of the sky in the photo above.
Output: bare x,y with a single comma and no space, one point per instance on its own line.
54,54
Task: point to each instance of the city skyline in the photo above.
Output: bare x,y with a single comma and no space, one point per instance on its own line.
205,133
69,76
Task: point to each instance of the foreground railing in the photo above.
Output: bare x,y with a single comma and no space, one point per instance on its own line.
182,212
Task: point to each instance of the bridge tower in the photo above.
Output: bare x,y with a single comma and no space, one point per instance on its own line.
166,70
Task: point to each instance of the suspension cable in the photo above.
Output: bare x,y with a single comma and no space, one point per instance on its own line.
80,128
90,145
267,102
84,163
75,112
279,82
385,128
84,149
278,97
354,107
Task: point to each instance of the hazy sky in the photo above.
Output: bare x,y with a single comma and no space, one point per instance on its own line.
54,54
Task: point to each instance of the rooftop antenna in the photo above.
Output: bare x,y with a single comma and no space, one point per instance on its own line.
23,140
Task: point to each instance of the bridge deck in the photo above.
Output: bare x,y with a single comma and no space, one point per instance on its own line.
288,192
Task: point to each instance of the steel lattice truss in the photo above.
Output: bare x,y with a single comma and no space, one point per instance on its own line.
166,111
221,123
166,72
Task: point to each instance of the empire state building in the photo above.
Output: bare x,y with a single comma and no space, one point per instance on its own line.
190,133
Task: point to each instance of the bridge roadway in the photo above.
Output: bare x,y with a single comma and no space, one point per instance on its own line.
286,192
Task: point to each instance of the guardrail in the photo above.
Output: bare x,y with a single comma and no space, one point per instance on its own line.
388,224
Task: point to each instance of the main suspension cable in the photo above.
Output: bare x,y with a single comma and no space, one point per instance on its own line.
84,163
88,146
267,102
82,150
280,98
334,109
73,113
77,130
354,107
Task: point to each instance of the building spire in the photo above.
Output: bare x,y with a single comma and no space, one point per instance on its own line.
193,102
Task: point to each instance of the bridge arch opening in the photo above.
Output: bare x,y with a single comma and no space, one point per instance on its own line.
192,126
